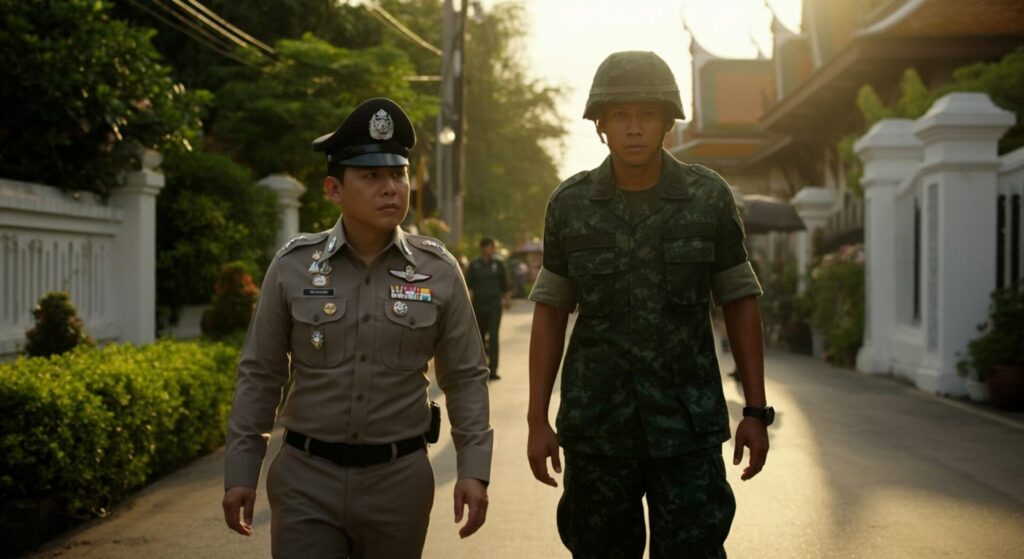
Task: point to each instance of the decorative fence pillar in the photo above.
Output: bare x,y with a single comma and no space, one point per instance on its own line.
813,204
958,177
134,276
890,153
288,191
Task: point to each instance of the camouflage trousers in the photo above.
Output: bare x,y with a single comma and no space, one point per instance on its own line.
601,514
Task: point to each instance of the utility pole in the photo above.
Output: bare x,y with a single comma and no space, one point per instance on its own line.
451,119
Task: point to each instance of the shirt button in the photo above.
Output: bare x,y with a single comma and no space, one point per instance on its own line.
366,318
412,322
362,357
359,397
367,281
355,435
316,318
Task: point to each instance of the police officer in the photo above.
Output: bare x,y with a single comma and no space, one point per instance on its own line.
639,246
488,284
352,315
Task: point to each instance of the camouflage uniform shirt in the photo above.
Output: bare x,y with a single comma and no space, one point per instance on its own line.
641,376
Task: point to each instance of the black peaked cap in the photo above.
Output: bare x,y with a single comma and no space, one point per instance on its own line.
377,133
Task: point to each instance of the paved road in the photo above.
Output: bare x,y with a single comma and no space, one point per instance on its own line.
859,467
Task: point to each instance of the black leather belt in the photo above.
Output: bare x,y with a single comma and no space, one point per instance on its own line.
354,455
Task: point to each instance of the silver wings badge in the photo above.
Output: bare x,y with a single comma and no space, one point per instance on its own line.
409,274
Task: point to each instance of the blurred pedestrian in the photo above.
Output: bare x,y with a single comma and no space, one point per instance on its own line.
488,283
640,246
352,315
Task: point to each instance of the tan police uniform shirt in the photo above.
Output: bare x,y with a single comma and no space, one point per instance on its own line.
357,349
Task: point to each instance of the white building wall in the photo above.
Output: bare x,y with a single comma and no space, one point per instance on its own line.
931,250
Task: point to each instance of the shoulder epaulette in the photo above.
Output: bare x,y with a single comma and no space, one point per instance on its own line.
575,179
432,246
302,239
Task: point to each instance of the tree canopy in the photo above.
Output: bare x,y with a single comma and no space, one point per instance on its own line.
511,124
76,84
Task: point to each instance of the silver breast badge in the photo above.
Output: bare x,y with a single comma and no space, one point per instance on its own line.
400,308
317,339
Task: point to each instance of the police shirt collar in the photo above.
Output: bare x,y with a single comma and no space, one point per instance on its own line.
336,240
672,184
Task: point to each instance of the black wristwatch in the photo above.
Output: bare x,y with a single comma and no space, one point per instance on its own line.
765,414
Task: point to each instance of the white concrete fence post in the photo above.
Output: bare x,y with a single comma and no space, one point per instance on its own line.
288,191
959,179
134,269
890,153
813,204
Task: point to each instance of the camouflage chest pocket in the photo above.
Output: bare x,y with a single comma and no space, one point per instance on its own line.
689,251
593,263
407,339
318,337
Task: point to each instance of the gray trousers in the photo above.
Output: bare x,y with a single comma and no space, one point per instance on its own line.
321,510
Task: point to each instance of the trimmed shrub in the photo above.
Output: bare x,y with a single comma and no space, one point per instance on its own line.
92,425
234,298
835,302
58,328
211,213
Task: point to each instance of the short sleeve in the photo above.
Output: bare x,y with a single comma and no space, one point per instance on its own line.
554,254
732,275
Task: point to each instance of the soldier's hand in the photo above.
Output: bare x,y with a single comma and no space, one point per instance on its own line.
238,505
753,434
473,494
542,443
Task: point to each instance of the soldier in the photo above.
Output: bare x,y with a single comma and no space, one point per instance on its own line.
639,245
352,315
488,284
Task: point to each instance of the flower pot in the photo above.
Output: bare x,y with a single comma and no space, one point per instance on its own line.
977,390
1006,386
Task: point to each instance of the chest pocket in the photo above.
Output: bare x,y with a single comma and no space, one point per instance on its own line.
408,338
593,263
689,252
311,321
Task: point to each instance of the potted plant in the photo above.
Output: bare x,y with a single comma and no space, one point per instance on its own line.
996,356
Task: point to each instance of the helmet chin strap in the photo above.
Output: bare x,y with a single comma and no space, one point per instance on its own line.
599,134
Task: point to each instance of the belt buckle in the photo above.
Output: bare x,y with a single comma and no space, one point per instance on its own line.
305,447
394,452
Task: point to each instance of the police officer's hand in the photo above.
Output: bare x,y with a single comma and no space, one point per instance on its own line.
236,501
753,434
541,444
472,493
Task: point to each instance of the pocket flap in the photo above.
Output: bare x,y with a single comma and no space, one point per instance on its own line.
414,314
594,262
692,249
684,230
317,310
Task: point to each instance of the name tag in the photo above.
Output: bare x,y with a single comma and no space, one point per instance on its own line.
318,292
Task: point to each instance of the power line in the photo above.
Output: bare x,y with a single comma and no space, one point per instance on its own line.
210,23
190,33
226,24
375,8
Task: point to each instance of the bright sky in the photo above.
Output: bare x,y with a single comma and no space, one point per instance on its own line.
570,38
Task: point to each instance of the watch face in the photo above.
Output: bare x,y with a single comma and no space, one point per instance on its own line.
769,415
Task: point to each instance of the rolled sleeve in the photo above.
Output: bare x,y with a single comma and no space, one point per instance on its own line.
461,370
554,290
735,283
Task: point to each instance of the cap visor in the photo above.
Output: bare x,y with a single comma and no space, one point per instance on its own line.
376,160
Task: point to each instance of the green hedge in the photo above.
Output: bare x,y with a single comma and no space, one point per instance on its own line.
93,425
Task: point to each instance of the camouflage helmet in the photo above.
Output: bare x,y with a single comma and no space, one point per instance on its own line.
634,77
